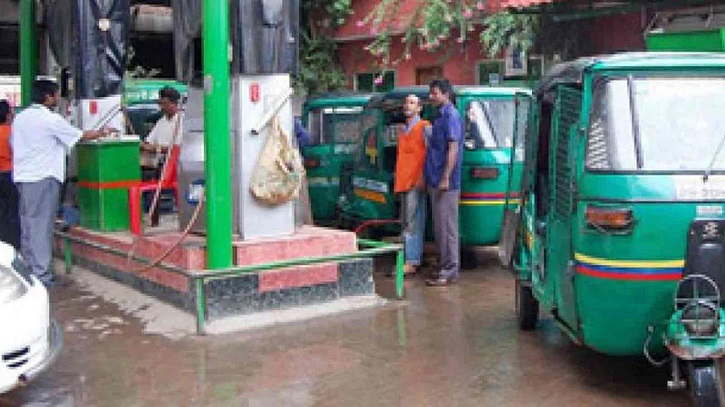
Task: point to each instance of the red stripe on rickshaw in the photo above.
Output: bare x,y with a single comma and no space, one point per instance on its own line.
628,276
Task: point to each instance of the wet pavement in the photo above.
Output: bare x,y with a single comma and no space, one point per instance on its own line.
453,346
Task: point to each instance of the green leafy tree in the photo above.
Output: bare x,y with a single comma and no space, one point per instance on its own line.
435,21
432,22
320,69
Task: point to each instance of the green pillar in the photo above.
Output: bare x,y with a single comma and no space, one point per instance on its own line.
28,49
217,143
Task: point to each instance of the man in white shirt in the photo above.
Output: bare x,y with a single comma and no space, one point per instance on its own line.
163,137
40,141
167,130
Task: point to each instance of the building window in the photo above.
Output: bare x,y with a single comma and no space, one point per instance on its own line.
365,82
490,72
493,72
423,76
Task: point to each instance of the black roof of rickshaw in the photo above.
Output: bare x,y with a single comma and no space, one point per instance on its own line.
395,96
572,72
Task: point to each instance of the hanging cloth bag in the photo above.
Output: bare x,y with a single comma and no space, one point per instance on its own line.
277,176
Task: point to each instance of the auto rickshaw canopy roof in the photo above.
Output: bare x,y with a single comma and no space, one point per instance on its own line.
573,72
393,98
342,99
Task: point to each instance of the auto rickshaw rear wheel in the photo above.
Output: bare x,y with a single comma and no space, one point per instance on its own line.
704,383
527,307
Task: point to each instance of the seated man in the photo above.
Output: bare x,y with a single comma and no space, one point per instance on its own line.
163,137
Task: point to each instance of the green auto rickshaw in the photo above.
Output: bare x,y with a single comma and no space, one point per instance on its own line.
621,230
489,114
490,159
334,121
371,196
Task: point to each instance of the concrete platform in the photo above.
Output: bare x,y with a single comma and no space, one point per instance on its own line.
229,296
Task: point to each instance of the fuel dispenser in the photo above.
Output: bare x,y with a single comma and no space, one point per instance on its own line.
264,35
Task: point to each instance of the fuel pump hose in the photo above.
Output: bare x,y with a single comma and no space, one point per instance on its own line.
181,238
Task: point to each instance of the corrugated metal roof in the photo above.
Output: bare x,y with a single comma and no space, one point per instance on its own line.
524,3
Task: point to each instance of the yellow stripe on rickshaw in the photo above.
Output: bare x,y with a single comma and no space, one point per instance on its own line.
630,263
491,202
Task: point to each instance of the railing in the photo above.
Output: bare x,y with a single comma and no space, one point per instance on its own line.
368,248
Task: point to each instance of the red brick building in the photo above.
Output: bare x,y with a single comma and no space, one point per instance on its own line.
602,29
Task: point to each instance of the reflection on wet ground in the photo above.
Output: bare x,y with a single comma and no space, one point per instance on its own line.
454,346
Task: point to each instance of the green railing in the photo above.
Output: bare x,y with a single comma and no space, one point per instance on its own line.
367,248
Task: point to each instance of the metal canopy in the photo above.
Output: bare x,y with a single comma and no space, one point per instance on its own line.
563,10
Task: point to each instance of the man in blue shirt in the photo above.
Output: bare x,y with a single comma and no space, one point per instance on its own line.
443,179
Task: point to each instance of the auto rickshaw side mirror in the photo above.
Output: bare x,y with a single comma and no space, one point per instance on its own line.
541,228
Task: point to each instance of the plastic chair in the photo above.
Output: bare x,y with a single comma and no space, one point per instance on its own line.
168,181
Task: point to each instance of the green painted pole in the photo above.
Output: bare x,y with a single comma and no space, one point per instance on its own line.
217,143
68,252
28,50
200,306
399,274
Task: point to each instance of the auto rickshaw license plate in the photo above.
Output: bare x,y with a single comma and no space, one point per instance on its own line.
693,187
709,210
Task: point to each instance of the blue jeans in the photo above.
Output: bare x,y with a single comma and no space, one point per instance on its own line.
413,218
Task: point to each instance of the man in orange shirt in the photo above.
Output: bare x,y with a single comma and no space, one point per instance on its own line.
9,217
409,182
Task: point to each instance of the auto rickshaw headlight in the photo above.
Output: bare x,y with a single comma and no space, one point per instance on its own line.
701,318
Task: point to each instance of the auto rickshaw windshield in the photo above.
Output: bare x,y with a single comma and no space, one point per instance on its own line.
335,125
657,124
490,123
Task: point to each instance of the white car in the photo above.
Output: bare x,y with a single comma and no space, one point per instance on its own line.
29,340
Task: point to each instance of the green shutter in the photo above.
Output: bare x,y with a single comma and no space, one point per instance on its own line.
487,68
388,82
565,120
364,82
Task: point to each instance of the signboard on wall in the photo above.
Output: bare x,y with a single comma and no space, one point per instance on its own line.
516,63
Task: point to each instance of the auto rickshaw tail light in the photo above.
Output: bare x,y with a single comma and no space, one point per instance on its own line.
312,163
484,172
608,218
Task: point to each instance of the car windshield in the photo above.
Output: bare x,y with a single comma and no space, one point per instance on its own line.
335,125
657,124
490,123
